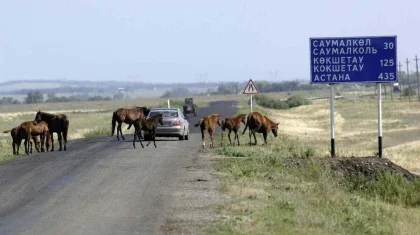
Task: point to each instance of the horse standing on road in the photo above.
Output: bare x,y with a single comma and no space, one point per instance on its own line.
17,140
127,116
56,123
208,124
28,130
256,122
148,125
233,124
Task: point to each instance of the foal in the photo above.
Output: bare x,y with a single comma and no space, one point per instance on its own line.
208,123
29,129
149,125
17,140
233,124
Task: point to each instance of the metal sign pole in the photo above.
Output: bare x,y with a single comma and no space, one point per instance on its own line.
380,119
251,103
332,120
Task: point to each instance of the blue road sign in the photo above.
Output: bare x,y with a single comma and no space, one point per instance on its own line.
354,59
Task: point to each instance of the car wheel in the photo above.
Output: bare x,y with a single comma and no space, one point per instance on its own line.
186,137
181,137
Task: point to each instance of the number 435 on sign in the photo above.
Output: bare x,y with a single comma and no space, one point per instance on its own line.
386,76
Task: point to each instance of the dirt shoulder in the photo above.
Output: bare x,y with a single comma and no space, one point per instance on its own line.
196,198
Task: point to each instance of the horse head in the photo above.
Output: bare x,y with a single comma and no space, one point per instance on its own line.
38,117
274,128
217,117
243,119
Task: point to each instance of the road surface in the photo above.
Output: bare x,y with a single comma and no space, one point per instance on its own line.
98,186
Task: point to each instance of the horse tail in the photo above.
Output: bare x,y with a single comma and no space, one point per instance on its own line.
247,123
65,126
7,131
113,123
199,122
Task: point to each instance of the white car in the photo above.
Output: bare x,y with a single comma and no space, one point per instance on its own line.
175,124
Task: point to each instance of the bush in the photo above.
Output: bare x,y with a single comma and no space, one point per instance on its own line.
291,102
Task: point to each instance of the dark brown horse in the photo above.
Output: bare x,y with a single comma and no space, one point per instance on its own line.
208,124
28,129
148,125
127,116
56,123
233,124
256,122
17,140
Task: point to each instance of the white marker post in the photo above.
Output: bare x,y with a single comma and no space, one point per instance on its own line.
250,89
169,105
251,103
380,119
332,119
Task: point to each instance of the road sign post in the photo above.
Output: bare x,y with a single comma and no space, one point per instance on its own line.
354,60
250,89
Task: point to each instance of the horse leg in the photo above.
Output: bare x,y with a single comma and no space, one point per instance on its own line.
230,141
154,138
14,148
122,136
139,135
52,141
211,138
134,139
265,138
60,141
30,150
221,143
42,137
26,146
151,137
236,136
250,137
255,138
202,139
129,126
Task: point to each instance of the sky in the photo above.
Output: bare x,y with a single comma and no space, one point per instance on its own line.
180,40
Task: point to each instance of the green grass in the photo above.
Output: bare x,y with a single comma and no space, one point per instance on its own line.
6,151
271,197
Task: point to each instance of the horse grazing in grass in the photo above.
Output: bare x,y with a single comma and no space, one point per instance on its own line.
148,125
127,116
28,130
17,140
208,124
56,123
233,124
256,122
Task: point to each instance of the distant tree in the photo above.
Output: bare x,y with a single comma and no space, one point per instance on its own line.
34,97
9,100
118,96
166,94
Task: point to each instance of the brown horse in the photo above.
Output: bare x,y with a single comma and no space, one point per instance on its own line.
56,123
148,125
28,129
127,116
208,124
233,124
17,140
260,124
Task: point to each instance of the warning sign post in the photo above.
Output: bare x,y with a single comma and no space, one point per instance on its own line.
250,89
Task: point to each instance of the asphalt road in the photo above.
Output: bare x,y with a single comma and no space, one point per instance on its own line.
98,186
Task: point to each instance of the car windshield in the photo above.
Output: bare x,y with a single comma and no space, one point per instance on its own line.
188,101
165,113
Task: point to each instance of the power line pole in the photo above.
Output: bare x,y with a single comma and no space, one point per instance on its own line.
400,78
417,75
408,80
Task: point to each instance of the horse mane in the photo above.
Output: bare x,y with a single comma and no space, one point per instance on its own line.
214,115
240,115
271,122
49,115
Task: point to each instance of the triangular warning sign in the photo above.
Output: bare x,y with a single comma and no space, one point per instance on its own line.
250,88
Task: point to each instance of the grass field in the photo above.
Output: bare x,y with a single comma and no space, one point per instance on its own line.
268,197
